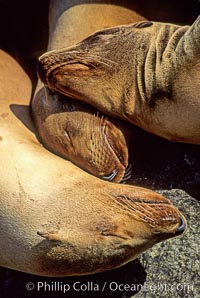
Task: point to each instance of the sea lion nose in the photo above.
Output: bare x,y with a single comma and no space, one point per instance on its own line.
182,226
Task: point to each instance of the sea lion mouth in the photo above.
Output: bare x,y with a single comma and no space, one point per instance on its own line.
52,67
57,77
49,62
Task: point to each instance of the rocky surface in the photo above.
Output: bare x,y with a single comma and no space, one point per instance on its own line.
172,266
169,269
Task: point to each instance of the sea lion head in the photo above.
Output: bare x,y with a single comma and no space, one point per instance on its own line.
106,69
79,133
95,70
134,220
126,69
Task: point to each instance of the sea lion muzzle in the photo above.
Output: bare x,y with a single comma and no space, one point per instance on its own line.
161,216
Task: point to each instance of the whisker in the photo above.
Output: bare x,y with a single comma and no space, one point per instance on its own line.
124,179
99,59
111,176
102,58
127,174
129,168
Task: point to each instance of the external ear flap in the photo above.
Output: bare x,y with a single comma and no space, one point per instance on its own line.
188,47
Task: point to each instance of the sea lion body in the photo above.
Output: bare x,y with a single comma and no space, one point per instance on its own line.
57,220
146,73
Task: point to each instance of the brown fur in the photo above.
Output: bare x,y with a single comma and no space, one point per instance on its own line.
102,152
81,134
146,73
108,158
57,220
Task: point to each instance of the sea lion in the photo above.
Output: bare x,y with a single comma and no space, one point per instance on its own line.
146,73
81,134
57,220
97,143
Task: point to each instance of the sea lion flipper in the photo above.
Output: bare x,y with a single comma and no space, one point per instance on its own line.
189,45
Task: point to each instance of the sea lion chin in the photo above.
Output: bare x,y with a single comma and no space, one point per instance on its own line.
146,73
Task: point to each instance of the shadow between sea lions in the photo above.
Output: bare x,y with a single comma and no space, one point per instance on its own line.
22,112
161,164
